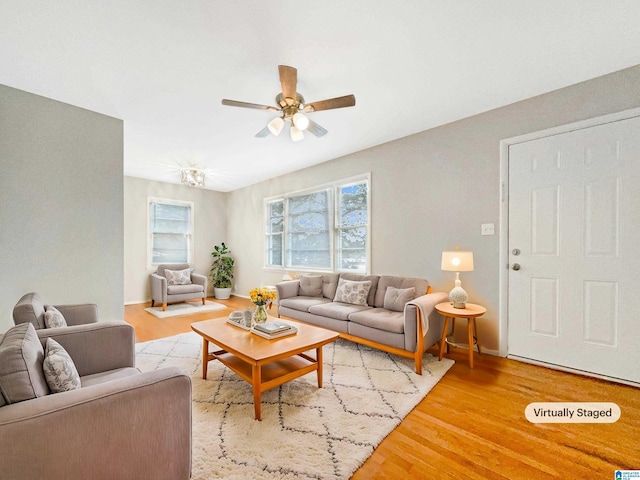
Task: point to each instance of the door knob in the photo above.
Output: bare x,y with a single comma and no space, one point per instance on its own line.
516,266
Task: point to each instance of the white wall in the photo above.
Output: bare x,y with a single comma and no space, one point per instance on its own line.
61,208
210,219
432,191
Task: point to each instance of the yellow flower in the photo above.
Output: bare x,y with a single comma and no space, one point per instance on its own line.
262,296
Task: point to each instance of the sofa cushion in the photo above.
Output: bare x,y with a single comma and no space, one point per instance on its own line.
330,284
310,285
419,284
59,370
395,298
53,318
178,277
30,308
337,310
349,291
184,289
380,318
21,357
302,304
363,278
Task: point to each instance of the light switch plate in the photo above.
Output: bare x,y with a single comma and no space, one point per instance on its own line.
487,229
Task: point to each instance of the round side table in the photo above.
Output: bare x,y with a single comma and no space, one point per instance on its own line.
470,312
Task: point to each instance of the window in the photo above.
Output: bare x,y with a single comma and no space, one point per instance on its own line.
324,229
170,231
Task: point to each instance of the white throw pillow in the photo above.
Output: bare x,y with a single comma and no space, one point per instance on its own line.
178,277
53,318
352,292
59,370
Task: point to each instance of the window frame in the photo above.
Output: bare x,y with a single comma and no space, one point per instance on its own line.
334,189
190,236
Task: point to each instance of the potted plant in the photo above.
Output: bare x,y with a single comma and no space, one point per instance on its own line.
221,271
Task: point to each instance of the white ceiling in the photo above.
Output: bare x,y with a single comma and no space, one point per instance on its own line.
164,66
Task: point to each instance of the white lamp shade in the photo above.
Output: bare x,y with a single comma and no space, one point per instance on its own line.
275,126
300,121
296,134
457,261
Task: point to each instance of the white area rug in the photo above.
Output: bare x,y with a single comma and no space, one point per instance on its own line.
185,308
305,432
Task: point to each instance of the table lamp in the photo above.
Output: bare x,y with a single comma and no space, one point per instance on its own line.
457,262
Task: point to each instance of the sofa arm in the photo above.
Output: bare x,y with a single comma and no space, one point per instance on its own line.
96,347
158,288
199,280
287,289
79,314
131,428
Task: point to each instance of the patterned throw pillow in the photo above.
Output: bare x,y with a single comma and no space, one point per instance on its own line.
395,298
178,277
59,370
53,318
352,292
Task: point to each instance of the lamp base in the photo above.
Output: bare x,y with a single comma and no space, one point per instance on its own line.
458,297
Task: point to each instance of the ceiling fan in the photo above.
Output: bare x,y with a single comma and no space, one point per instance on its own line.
293,108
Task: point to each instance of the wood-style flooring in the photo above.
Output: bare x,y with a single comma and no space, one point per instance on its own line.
472,424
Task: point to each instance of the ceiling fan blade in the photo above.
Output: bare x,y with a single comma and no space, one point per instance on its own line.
338,102
235,103
316,129
288,80
262,133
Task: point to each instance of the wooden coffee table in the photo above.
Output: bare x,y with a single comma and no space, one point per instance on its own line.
263,363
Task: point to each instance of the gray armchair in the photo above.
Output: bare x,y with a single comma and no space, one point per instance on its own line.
120,424
164,293
30,308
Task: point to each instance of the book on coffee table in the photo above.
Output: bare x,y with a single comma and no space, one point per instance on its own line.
277,332
272,327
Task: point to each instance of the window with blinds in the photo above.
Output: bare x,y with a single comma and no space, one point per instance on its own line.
170,231
324,229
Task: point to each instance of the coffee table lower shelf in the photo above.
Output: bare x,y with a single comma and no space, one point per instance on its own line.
269,375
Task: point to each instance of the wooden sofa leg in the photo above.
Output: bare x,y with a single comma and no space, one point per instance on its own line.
152,302
203,301
164,307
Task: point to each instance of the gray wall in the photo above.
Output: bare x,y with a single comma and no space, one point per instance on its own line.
432,191
210,219
61,208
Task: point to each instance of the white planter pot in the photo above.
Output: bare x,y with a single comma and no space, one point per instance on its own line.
222,293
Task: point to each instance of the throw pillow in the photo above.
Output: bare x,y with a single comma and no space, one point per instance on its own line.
53,318
311,285
59,369
396,298
349,291
21,357
178,277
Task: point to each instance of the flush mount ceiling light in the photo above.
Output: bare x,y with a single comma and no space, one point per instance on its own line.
192,176
292,108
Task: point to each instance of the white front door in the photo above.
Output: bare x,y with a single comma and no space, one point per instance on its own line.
574,233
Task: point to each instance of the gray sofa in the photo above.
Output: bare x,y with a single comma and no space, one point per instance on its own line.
397,315
120,424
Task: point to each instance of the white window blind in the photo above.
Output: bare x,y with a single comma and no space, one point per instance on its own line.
170,231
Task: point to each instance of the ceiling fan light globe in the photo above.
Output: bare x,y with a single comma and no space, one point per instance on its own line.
296,134
275,126
301,121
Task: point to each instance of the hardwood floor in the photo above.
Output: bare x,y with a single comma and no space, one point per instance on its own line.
472,424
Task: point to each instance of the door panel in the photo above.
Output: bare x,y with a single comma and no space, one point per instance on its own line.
574,214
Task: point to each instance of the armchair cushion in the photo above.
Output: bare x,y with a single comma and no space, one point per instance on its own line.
21,358
59,370
178,277
53,318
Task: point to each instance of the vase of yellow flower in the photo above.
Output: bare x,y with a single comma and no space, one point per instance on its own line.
260,297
